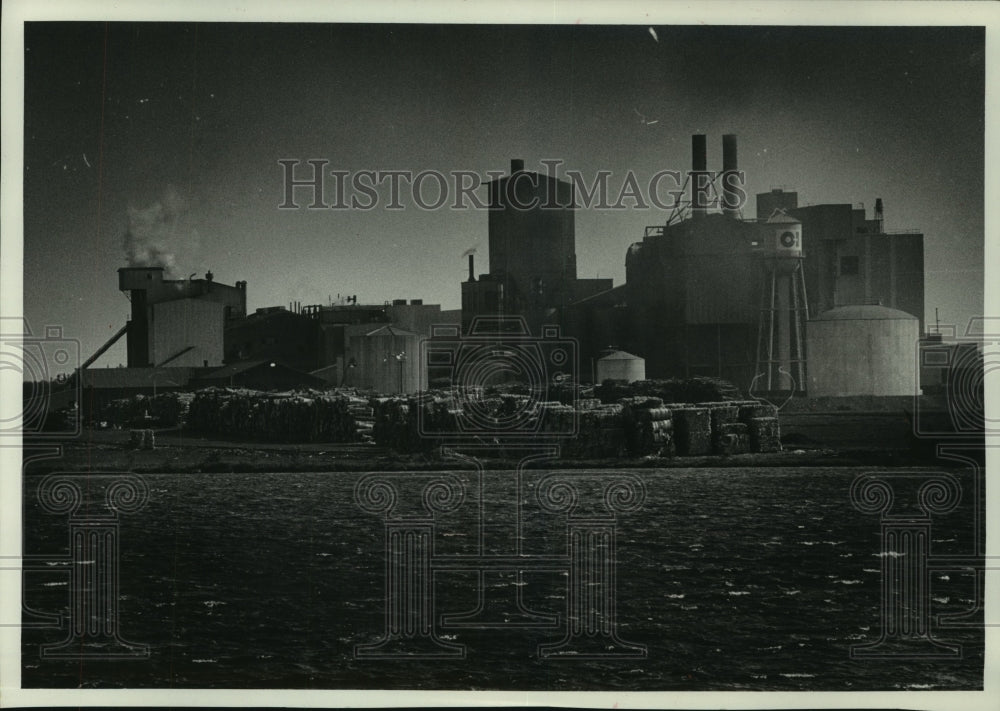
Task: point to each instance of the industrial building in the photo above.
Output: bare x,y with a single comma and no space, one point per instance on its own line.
177,322
759,302
191,333
719,295
338,342
708,292
852,259
532,245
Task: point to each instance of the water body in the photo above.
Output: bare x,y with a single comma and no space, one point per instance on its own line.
733,579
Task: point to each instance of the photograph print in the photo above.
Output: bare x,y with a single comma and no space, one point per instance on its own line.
489,355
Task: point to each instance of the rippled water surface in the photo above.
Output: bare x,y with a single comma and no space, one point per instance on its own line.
732,579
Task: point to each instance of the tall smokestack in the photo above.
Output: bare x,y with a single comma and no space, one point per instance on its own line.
730,168
699,166
472,267
879,218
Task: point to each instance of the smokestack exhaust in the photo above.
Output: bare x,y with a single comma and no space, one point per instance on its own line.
699,175
730,169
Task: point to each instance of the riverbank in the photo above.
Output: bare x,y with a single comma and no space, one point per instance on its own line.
179,452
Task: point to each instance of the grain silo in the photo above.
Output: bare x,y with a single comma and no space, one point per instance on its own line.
619,365
862,350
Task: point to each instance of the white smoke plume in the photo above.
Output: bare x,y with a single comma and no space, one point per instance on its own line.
155,232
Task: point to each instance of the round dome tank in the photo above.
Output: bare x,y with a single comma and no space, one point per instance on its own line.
862,350
619,365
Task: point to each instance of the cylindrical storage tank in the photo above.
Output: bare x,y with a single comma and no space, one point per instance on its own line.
862,350
619,365
386,360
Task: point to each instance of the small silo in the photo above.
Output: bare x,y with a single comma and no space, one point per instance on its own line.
862,350
619,365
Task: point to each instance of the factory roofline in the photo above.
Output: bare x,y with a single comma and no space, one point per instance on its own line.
168,376
619,290
547,176
390,330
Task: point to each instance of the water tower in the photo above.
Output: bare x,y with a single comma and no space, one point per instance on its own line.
781,357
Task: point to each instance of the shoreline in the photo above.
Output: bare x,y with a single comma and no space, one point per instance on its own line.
178,454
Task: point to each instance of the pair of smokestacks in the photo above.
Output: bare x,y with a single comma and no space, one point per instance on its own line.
701,179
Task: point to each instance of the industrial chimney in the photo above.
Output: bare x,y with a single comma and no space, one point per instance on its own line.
699,175
879,218
730,169
472,267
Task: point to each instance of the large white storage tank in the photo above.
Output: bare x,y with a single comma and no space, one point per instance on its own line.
619,365
862,350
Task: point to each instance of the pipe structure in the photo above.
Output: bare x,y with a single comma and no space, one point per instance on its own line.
730,169
699,175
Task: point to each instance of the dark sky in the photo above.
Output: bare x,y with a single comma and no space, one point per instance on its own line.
188,122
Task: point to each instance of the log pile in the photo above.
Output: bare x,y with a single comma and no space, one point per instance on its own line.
636,425
601,434
364,417
164,410
764,435
694,430
686,390
648,425
278,417
142,439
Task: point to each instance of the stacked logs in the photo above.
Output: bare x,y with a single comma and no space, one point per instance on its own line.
601,434
680,390
165,410
142,439
637,425
276,417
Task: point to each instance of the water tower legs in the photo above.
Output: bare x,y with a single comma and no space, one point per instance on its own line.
781,358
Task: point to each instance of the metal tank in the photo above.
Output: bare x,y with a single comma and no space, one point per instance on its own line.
862,350
619,365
